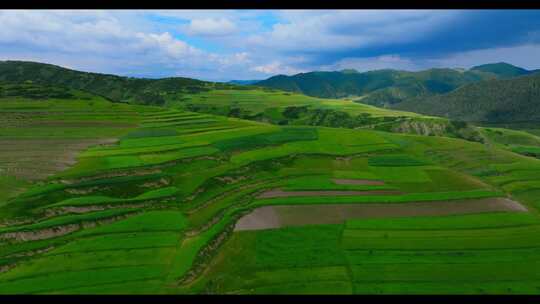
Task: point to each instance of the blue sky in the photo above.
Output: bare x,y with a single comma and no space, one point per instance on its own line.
256,44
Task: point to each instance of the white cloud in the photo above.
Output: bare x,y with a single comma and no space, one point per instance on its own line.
106,42
210,27
245,44
276,67
375,63
167,45
233,59
316,31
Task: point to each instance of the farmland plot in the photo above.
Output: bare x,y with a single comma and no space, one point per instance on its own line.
162,200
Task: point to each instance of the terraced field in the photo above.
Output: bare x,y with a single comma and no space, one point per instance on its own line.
284,108
487,253
163,205
40,137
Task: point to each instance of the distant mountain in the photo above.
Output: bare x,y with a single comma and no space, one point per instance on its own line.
495,101
387,87
502,70
349,71
115,88
487,93
243,82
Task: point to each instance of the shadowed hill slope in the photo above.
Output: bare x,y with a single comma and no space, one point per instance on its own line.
509,100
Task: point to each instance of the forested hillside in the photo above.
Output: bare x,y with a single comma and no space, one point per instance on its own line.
115,88
387,87
502,70
512,100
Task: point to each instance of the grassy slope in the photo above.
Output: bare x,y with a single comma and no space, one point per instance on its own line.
188,176
43,128
295,109
412,255
258,101
249,102
115,88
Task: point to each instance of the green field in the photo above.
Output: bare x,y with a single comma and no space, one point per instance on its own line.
471,254
102,197
285,108
258,101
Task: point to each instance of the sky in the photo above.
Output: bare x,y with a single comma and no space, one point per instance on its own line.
222,45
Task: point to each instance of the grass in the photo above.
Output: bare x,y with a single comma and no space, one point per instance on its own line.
91,277
197,173
395,161
257,101
381,256
69,219
42,137
276,138
390,199
104,200
472,221
160,221
527,150
322,182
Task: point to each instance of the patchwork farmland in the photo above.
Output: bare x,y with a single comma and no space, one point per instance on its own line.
117,198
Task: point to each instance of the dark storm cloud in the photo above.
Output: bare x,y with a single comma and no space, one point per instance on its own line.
471,30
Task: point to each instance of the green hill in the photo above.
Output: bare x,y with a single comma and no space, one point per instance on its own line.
502,69
387,87
42,128
495,101
247,102
115,88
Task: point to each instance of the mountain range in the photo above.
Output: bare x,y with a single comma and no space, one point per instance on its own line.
493,93
388,87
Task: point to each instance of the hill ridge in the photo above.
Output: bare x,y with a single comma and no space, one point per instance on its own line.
385,87
498,100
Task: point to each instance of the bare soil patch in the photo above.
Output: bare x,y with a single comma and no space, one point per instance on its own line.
271,217
35,159
261,218
369,182
280,193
